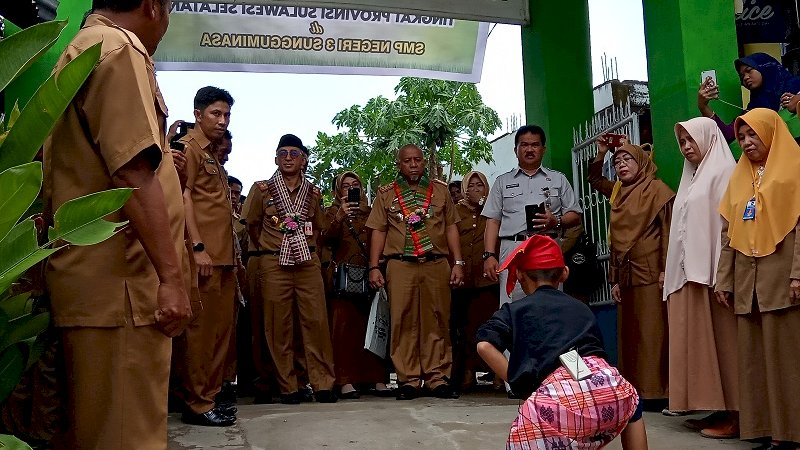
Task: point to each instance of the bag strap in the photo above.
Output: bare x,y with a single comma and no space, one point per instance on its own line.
358,239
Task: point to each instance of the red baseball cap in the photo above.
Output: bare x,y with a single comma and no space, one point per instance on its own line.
538,252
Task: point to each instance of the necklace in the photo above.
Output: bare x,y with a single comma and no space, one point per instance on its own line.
760,173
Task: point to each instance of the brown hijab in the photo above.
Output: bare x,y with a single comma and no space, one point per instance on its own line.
465,182
363,205
638,203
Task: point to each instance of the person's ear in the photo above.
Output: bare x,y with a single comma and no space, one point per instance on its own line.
564,275
197,115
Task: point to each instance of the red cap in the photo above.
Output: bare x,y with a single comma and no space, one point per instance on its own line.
538,252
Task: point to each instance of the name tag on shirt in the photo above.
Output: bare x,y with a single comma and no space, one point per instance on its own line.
515,185
750,210
308,229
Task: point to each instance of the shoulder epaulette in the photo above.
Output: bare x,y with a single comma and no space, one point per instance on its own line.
440,182
262,185
387,188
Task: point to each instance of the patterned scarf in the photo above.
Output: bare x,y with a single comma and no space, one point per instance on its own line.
415,210
294,247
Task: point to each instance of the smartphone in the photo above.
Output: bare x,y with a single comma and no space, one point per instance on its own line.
706,74
614,140
353,195
531,212
183,128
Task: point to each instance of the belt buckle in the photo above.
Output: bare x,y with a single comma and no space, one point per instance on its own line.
422,259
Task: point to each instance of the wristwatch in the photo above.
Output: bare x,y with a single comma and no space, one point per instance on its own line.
198,247
487,255
460,262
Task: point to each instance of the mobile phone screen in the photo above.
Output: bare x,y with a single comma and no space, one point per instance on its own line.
353,195
531,212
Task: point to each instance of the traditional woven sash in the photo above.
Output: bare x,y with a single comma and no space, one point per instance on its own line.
294,247
418,242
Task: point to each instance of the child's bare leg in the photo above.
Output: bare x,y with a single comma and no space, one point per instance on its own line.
634,436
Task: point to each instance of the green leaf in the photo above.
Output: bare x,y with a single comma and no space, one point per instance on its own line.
12,366
14,115
20,50
36,347
80,220
8,442
20,186
19,251
16,306
41,113
24,328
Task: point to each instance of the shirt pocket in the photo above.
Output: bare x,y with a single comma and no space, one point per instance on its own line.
211,178
554,200
512,200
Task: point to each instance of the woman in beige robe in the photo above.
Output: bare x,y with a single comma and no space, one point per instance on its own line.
759,275
702,333
640,219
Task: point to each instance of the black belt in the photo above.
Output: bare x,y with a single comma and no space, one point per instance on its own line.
273,252
524,237
416,259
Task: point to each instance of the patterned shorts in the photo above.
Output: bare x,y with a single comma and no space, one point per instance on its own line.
568,414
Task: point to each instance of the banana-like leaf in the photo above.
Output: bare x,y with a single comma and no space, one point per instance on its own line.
19,251
24,328
36,346
43,110
8,442
14,115
20,187
80,220
16,306
21,49
12,365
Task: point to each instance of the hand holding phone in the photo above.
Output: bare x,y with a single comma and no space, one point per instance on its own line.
614,140
708,82
531,214
354,195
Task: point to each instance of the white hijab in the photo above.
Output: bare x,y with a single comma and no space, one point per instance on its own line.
694,239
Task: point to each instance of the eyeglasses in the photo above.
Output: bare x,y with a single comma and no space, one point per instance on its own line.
623,160
348,186
293,153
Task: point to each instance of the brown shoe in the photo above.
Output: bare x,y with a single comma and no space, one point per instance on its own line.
708,421
726,430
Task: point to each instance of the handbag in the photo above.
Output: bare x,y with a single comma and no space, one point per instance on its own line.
585,272
350,280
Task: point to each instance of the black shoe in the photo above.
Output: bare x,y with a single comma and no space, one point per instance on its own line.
306,394
513,396
444,391
227,393
227,409
384,392
407,392
326,396
291,399
209,419
352,395
263,399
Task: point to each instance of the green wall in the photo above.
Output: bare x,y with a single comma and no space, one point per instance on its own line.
684,38
557,70
24,88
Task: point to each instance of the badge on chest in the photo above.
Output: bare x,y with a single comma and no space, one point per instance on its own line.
750,210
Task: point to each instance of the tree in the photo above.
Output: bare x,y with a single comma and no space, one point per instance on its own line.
447,119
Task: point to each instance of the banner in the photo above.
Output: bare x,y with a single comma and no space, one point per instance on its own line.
297,39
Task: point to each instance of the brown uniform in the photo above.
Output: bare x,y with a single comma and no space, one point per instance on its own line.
104,296
475,301
204,345
349,316
292,293
418,290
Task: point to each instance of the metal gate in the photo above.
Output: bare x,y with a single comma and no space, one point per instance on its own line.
595,206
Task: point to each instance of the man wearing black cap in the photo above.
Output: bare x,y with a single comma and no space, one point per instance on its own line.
201,351
284,221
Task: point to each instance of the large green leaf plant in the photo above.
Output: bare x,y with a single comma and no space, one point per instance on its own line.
77,222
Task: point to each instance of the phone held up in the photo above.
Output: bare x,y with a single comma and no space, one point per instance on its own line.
709,77
183,128
614,140
531,212
354,195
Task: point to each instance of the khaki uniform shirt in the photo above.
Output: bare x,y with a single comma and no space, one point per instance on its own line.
118,114
208,183
263,211
515,189
340,239
471,229
386,212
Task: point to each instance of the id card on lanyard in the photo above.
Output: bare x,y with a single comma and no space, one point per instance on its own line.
750,210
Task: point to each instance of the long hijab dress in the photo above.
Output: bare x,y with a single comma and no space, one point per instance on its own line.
760,257
702,333
640,220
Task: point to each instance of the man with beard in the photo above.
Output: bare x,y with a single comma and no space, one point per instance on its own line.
414,227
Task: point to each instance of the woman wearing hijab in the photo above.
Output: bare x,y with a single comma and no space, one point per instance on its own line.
759,275
762,75
350,314
475,301
640,220
703,373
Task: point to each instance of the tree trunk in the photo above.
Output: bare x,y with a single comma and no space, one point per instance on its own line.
452,161
434,170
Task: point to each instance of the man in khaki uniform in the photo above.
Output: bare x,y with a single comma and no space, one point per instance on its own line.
209,218
284,221
414,222
117,303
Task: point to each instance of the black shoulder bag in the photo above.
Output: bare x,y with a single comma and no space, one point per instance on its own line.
350,280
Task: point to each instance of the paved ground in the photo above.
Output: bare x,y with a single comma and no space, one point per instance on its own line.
476,421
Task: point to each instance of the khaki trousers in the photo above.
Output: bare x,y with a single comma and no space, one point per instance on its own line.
117,386
290,294
203,347
419,297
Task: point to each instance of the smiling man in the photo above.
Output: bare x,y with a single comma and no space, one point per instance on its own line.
527,184
207,203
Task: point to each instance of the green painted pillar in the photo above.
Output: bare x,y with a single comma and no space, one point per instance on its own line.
557,70
25,86
684,38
